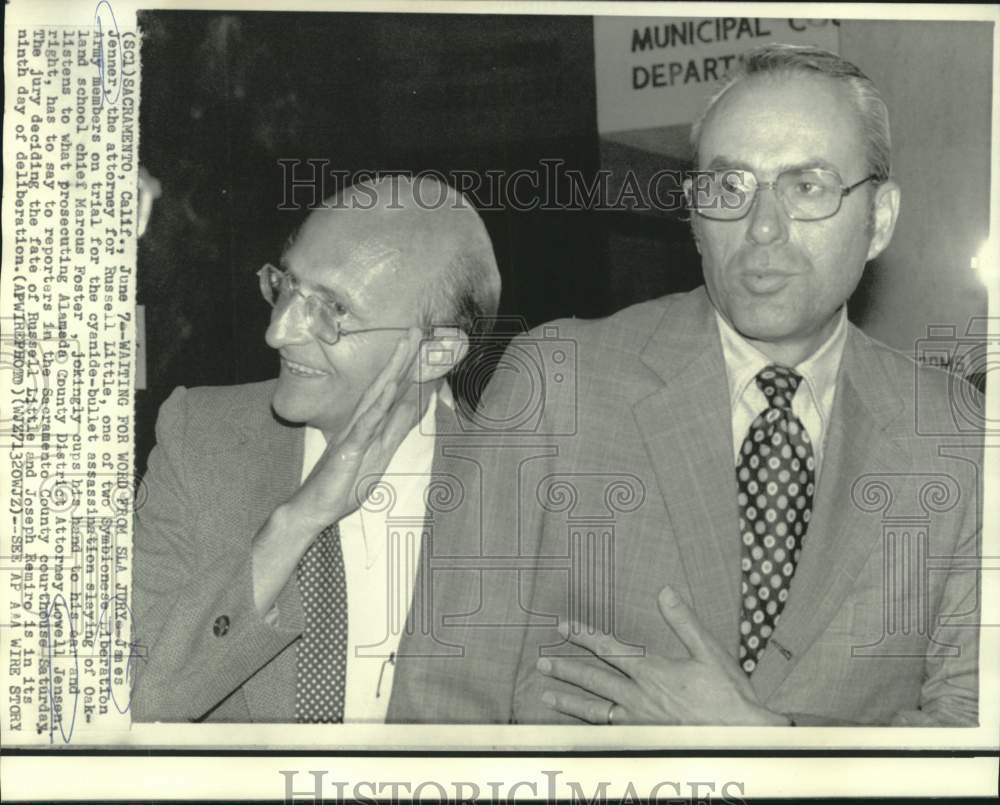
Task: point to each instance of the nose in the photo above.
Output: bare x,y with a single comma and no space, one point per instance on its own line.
768,222
289,325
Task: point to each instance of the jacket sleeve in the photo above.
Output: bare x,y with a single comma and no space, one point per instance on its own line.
196,631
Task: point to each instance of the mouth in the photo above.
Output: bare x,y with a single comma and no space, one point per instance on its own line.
763,282
300,369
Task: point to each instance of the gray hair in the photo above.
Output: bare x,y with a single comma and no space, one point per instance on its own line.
466,294
784,60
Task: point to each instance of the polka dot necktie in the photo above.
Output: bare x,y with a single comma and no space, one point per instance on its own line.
775,476
322,649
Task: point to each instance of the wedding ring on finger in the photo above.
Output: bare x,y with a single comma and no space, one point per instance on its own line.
611,714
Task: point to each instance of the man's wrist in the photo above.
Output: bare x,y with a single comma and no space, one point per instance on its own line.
288,532
295,516
276,550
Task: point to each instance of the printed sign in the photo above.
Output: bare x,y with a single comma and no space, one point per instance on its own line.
659,71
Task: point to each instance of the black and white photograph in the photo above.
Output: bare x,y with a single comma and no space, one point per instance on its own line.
540,376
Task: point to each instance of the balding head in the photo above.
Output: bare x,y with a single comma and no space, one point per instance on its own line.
376,259
420,228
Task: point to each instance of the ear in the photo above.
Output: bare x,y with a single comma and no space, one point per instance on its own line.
440,353
688,185
885,210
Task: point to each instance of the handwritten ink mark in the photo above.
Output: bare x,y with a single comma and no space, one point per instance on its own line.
56,709
115,41
133,654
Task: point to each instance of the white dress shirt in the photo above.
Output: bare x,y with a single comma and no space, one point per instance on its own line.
380,579
813,401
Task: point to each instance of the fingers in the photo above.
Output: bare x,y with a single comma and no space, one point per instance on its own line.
388,387
682,620
389,408
400,361
604,646
586,708
594,679
398,423
366,426
374,392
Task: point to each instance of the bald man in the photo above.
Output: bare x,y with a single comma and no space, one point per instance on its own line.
271,575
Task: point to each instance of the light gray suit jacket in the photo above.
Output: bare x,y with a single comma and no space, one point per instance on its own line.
621,479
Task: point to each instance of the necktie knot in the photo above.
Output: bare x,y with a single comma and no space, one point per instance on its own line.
779,384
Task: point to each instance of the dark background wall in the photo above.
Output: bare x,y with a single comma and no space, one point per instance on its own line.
225,96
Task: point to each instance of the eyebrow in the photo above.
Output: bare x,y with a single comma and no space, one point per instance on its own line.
336,293
723,161
330,293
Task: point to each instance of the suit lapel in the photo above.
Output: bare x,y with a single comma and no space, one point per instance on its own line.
270,474
841,535
418,640
686,428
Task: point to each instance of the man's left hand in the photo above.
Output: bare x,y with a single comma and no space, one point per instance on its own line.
707,688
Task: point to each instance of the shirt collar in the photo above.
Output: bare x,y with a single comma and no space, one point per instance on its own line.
820,369
443,395
744,361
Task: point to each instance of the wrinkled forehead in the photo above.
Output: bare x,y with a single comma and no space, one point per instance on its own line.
350,241
772,123
378,261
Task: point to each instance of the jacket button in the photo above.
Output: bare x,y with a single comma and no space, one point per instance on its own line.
221,625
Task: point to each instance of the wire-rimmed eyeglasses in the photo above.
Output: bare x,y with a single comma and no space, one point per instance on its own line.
806,194
279,287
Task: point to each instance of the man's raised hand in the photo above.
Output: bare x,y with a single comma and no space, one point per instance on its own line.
381,420
384,415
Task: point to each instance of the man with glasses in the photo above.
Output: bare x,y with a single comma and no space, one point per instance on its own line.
755,573
272,581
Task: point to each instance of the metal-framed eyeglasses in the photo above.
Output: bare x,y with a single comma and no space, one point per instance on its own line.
806,194
279,288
